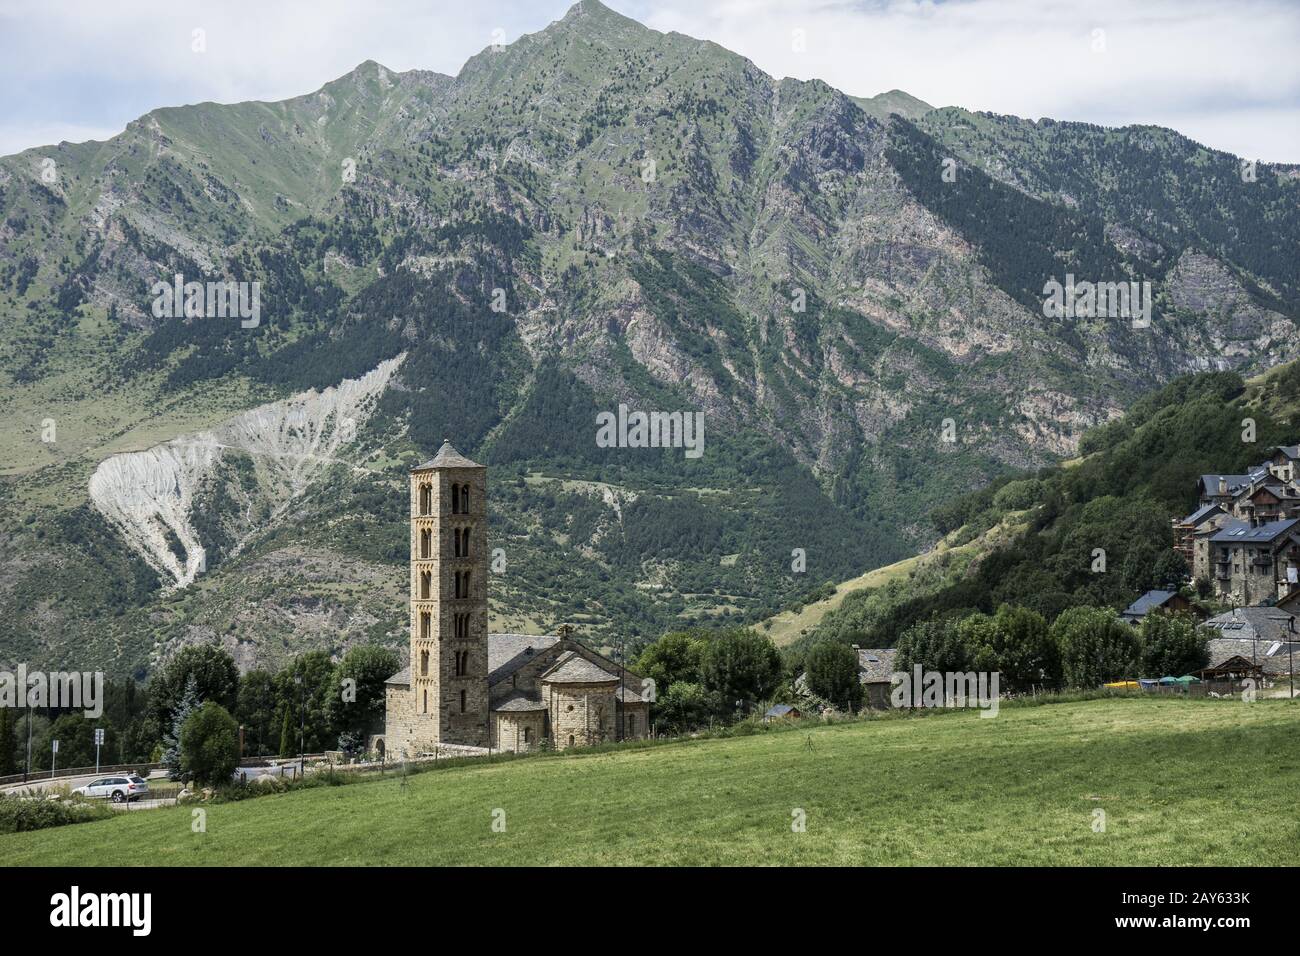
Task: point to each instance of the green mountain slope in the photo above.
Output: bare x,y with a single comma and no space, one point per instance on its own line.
1138,473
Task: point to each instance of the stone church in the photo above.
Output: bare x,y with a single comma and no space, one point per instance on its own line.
466,687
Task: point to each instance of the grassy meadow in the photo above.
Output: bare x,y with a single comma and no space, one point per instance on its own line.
1182,782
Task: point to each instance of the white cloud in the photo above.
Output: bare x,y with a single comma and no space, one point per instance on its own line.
1225,74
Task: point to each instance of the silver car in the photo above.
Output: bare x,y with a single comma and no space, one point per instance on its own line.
122,789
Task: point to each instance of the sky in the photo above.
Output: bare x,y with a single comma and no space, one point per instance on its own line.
1224,73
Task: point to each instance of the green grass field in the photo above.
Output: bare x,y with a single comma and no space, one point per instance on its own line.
1182,782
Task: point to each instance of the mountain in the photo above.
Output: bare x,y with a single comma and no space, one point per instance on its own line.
597,214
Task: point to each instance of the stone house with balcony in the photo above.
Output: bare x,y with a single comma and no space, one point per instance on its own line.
1253,563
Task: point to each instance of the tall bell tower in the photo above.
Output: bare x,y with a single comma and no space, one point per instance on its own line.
449,616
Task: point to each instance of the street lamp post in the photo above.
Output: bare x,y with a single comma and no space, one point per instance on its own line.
302,725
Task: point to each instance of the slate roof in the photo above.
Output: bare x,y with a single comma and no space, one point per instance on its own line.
509,652
447,457
1266,623
506,654
876,666
572,668
519,702
1201,514
1147,603
1291,451
628,696
1271,655
1235,482
778,710
1240,532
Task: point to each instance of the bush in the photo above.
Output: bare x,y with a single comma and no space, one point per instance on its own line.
18,815
832,672
1096,646
210,745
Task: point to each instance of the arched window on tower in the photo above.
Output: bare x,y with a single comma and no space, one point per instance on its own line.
426,702
426,622
424,663
426,584
426,499
455,499
464,499
462,702
426,544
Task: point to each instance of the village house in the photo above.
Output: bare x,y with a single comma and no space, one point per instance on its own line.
1244,538
466,688
1169,601
876,674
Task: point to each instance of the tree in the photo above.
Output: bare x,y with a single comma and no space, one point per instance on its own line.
1170,569
673,658
304,687
76,737
936,645
256,711
832,674
1172,644
215,678
209,744
288,739
8,740
1096,646
740,665
173,747
356,698
683,705
1016,643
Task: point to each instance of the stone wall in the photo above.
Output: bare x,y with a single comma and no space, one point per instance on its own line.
518,731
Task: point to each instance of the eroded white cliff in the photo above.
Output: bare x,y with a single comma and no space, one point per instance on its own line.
148,493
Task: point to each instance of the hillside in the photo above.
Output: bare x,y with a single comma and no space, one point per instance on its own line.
595,214
885,792
1137,473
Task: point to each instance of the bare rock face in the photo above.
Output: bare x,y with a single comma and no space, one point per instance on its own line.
150,495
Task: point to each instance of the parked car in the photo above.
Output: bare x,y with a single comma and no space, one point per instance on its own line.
122,789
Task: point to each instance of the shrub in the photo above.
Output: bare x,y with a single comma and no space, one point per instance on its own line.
210,744
832,672
18,815
1096,646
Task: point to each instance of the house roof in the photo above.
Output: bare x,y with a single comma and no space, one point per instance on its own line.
1241,532
1210,483
1149,602
519,702
628,696
447,457
506,654
572,668
779,710
1201,514
1291,451
509,652
876,666
1256,633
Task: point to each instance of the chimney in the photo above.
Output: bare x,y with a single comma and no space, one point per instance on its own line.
1223,485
